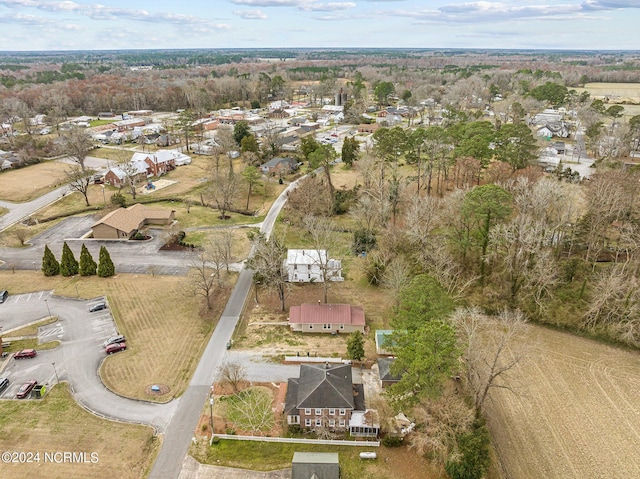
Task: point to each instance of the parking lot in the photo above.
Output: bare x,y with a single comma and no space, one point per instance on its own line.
81,335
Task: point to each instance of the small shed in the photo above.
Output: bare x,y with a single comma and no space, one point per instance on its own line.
315,465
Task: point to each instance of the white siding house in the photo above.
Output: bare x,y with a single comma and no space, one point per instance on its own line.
306,266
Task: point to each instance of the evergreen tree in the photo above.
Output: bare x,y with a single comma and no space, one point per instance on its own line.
105,268
88,266
68,262
355,346
50,265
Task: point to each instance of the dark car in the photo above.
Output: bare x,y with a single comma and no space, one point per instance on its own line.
26,389
4,384
97,307
3,295
114,348
25,353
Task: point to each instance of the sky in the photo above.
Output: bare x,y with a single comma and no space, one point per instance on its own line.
28,25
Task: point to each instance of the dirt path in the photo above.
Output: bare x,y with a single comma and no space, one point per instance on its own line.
576,414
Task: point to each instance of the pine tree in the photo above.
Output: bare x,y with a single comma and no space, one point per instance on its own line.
50,265
88,266
355,346
105,268
68,262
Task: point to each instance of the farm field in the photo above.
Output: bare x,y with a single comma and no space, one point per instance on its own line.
615,91
576,412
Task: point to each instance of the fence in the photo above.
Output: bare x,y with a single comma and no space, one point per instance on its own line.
313,359
329,442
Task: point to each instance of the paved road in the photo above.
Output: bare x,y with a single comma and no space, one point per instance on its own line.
183,424
77,359
19,211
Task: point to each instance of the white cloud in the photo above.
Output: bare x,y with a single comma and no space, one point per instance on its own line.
329,7
250,14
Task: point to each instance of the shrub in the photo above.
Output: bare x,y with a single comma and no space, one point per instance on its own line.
119,199
392,441
50,265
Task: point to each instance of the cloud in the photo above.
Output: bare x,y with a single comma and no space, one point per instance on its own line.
250,14
329,7
305,5
103,12
484,11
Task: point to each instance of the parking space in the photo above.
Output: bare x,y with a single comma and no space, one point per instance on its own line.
81,334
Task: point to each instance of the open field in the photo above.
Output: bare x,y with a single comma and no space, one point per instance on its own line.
165,333
57,424
576,412
27,183
616,92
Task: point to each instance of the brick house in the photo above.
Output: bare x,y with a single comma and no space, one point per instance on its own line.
323,396
279,166
326,318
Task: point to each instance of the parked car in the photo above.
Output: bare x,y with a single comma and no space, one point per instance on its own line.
97,307
3,295
4,384
114,348
26,389
25,353
114,340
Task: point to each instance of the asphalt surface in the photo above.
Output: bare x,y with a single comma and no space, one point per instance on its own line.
19,211
180,431
77,359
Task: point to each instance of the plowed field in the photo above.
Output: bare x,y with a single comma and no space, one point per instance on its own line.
576,414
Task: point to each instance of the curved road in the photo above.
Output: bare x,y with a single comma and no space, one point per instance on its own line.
178,435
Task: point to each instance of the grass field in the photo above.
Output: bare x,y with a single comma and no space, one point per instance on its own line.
267,456
614,90
57,424
27,183
165,332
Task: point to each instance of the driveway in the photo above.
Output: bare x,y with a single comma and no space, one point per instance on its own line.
77,359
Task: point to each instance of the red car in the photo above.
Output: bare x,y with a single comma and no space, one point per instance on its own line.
25,353
114,348
26,389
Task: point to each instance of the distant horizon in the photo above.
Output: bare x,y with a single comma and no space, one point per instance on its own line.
81,25
334,48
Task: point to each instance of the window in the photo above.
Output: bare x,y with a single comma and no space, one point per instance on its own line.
318,422
326,326
307,412
343,412
332,423
311,326
307,422
342,423
332,412
342,326
318,412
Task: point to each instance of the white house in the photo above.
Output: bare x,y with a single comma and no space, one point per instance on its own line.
306,266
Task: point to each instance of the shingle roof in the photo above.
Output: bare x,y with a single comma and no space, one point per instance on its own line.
384,366
321,386
327,314
131,218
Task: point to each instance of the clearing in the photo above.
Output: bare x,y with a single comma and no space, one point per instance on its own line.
576,412
27,183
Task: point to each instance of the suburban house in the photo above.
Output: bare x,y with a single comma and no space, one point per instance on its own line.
326,318
118,175
315,465
307,266
161,162
8,160
368,128
323,396
384,368
123,223
279,166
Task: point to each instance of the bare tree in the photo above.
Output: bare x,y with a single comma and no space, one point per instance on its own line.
321,232
222,242
21,234
132,174
396,276
204,274
491,348
233,374
251,410
77,144
223,190
267,263
79,180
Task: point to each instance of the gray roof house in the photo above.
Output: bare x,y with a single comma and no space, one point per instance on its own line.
384,367
315,465
279,165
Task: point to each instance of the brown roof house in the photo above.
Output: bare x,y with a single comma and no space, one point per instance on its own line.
125,222
326,318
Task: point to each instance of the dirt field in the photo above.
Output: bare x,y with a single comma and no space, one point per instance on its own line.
616,92
27,183
576,415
